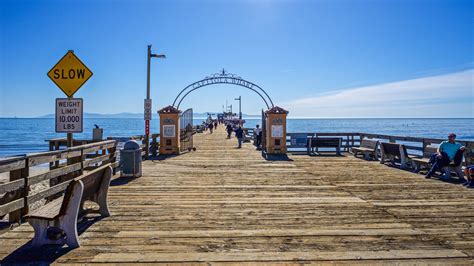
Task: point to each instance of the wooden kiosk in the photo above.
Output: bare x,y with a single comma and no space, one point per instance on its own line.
275,130
169,130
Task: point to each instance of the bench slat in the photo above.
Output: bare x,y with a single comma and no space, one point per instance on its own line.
49,211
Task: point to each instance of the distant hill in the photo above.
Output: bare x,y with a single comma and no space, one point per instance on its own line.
138,115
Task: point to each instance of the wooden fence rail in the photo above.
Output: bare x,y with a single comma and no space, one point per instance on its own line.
64,165
414,145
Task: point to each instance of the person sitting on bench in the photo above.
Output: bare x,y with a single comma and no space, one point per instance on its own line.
448,151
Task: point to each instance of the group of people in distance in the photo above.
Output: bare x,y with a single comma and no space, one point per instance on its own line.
232,126
451,152
236,127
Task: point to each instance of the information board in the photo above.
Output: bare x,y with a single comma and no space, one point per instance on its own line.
169,131
277,131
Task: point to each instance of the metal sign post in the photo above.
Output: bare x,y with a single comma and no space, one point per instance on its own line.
69,74
147,112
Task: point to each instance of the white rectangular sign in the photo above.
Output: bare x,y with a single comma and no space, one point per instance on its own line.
169,131
69,115
147,109
277,131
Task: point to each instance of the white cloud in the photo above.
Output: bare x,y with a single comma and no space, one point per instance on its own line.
449,95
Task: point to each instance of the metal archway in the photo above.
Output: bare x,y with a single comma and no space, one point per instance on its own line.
223,78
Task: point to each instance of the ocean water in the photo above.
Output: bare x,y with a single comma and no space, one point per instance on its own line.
25,135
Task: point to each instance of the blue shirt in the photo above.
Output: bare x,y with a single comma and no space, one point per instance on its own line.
449,148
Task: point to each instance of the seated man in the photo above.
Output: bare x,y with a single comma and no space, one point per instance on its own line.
448,151
469,171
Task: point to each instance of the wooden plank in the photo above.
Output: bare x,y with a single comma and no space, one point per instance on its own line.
139,257
12,185
70,154
99,147
11,164
43,157
95,160
54,173
17,204
48,192
269,233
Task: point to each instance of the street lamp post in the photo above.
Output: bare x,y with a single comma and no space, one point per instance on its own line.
240,106
148,112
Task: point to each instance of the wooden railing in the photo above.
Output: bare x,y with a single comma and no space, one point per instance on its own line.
153,141
349,139
414,145
64,165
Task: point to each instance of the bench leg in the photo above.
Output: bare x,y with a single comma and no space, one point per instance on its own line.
101,198
68,222
367,155
404,161
459,172
40,226
382,159
417,167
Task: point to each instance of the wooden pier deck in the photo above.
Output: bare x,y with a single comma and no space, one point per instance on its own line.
220,204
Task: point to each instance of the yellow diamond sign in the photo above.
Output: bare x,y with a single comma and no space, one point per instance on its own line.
69,73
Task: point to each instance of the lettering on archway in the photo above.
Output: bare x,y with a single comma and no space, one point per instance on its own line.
223,78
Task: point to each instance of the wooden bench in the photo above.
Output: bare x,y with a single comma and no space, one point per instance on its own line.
368,148
314,143
56,222
395,153
423,162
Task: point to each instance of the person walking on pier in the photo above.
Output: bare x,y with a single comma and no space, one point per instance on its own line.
258,134
239,134
448,151
229,130
211,126
215,124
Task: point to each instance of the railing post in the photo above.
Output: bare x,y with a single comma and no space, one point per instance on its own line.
112,157
82,161
22,173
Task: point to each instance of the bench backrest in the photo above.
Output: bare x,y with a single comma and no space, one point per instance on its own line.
391,148
93,180
325,142
429,150
369,144
469,154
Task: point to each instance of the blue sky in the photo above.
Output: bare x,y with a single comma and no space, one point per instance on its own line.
316,58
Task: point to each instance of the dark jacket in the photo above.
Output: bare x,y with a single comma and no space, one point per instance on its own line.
239,133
